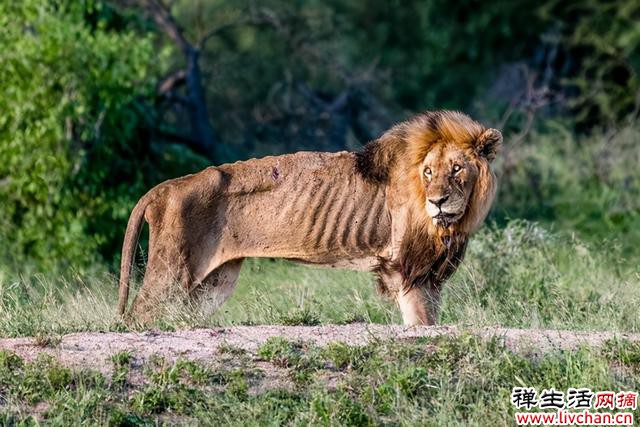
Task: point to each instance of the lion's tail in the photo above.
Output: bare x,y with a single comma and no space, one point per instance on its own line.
131,236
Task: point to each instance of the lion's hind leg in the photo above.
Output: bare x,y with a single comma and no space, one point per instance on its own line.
216,288
163,291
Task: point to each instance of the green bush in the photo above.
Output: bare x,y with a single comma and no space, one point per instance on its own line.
524,276
598,60
585,184
71,130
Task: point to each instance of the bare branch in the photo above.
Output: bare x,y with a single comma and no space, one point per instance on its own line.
203,138
170,82
162,17
340,101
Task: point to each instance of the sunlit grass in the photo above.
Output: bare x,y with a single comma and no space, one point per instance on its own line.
444,380
272,290
525,276
518,276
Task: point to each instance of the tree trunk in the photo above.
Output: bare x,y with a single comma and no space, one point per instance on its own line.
198,114
203,138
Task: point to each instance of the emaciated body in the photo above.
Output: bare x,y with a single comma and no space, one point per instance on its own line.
403,208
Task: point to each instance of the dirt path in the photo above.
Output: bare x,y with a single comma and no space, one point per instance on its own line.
93,349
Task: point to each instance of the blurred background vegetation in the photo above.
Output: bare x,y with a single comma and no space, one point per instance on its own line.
100,100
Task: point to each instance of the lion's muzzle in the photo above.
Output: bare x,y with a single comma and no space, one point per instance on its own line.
444,210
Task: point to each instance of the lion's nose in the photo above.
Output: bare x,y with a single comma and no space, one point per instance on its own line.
438,201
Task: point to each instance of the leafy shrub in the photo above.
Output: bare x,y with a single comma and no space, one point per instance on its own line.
523,276
71,130
589,184
598,60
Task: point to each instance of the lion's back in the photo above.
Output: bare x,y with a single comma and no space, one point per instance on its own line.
260,174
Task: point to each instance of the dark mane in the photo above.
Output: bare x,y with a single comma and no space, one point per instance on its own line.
369,165
375,161
425,261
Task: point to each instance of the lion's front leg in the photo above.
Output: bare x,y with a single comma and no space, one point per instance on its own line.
419,306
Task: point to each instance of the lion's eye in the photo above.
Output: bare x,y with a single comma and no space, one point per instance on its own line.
427,173
457,168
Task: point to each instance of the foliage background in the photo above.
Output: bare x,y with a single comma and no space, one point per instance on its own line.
102,99
90,118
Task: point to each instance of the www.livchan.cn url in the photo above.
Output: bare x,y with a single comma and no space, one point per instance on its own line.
574,407
584,418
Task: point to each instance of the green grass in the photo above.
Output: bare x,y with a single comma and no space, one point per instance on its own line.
526,276
521,275
440,381
576,268
280,292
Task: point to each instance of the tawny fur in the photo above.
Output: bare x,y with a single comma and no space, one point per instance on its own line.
361,210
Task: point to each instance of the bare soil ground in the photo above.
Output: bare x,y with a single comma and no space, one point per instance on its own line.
94,349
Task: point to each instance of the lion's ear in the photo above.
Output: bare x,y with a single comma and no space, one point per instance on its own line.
488,144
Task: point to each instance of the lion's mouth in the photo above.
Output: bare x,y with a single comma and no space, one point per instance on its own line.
444,219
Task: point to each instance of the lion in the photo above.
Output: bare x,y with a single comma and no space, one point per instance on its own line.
402,208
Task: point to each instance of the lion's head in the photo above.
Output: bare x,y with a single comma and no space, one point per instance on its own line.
439,164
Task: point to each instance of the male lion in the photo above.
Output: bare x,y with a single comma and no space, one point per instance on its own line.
403,208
